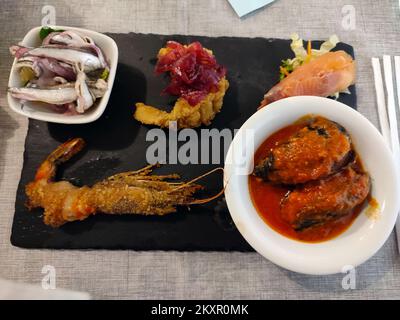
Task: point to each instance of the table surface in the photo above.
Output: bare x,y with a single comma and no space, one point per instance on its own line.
196,275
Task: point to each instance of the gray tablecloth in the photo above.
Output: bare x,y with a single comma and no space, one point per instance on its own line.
173,275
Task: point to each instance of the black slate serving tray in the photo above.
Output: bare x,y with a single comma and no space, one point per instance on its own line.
117,143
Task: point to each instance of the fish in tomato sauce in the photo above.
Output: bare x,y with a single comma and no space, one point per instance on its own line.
324,200
315,210
316,149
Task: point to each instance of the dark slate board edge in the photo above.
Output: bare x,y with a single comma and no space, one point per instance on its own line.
88,248
216,37
20,185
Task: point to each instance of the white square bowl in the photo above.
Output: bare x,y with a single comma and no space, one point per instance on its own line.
36,110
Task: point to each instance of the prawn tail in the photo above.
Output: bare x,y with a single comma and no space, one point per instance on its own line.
62,153
66,151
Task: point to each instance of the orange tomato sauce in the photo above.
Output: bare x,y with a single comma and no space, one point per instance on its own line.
267,197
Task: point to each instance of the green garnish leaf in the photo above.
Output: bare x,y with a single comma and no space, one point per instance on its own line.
104,74
302,56
286,67
45,31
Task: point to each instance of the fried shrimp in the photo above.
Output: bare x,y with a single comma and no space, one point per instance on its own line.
135,192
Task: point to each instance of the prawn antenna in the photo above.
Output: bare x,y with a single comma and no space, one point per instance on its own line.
206,200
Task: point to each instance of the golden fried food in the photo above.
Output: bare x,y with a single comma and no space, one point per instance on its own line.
183,113
135,192
197,80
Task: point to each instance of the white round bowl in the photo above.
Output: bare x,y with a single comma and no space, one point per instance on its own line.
362,239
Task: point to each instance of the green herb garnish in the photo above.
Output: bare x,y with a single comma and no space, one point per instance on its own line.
45,31
285,69
104,74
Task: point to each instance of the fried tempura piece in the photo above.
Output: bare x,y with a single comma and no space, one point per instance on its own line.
197,80
183,113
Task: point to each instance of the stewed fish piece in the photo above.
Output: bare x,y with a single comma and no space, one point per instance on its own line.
325,200
318,149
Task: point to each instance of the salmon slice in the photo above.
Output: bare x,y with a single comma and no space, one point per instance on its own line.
327,74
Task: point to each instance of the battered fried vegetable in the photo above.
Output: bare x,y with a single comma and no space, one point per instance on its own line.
319,148
318,202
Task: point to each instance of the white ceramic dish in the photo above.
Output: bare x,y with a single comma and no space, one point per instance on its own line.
36,111
364,237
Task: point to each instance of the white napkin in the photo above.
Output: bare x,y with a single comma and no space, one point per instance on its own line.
10,290
243,7
387,109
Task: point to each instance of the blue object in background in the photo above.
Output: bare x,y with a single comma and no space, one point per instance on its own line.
243,7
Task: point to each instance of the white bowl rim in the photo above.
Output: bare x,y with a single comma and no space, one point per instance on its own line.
262,245
101,104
